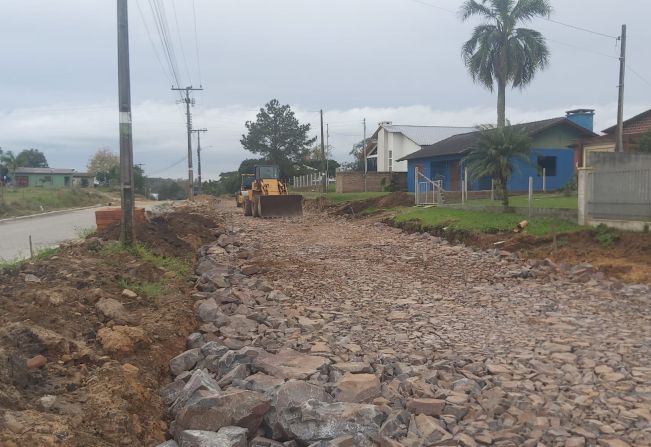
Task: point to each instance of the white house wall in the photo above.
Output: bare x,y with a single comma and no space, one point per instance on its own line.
399,145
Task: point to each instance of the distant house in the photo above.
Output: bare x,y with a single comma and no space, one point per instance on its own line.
551,151
391,142
634,128
51,178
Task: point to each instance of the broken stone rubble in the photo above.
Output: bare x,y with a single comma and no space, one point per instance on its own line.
259,341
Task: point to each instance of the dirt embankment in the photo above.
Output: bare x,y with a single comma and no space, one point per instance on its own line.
81,360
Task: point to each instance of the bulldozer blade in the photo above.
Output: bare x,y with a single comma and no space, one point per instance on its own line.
281,206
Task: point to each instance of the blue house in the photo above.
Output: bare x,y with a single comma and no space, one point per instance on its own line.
551,150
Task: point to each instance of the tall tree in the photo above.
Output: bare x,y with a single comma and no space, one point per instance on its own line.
277,136
499,52
496,153
9,163
31,158
105,165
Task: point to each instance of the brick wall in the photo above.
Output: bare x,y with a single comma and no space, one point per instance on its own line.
354,181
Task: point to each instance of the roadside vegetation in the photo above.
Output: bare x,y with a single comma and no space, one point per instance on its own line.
466,221
25,201
39,255
337,197
552,200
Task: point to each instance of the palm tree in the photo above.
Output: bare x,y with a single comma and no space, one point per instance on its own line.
501,53
495,155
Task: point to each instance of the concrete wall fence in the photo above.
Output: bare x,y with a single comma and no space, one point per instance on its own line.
353,181
616,190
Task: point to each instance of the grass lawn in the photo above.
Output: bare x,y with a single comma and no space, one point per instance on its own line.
343,197
25,201
483,222
539,201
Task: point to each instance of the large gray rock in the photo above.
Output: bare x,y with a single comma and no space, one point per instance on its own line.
214,348
262,383
237,407
287,397
226,437
185,361
315,421
208,310
170,443
199,381
111,309
289,364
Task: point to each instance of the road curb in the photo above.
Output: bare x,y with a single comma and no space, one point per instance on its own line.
49,213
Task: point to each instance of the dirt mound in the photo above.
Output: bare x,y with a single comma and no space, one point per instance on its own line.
178,233
392,200
104,352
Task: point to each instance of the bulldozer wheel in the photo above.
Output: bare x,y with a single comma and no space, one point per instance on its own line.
247,208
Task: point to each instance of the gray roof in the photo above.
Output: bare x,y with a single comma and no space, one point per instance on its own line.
46,171
425,135
464,142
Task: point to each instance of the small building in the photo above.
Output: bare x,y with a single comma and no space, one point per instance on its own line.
391,142
51,178
551,151
634,129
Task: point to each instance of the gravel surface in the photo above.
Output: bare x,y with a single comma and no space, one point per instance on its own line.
542,353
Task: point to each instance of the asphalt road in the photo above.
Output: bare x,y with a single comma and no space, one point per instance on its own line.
46,231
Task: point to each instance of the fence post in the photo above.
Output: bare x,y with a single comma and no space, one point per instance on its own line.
492,189
530,195
544,175
583,184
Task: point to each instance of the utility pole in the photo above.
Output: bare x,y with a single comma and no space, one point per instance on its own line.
365,159
325,188
619,133
198,131
127,232
326,159
188,102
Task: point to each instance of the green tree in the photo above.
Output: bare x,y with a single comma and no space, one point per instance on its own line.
357,152
495,155
499,52
105,165
9,163
31,158
278,136
248,166
228,183
139,180
645,143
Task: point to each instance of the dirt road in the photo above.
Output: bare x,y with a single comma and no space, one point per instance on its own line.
568,352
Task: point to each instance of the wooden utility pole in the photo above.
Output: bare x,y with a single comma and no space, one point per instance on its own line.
619,133
188,116
323,165
127,232
198,131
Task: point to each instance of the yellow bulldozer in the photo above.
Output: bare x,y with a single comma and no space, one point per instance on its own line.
245,187
267,195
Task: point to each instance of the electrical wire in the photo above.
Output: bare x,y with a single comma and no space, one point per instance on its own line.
645,80
178,34
587,50
596,33
169,167
196,39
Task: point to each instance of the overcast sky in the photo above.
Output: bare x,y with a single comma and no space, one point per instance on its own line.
394,60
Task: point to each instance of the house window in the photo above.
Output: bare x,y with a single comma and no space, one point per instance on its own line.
548,164
22,180
390,161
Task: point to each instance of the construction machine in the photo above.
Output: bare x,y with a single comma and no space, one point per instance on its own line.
268,196
245,187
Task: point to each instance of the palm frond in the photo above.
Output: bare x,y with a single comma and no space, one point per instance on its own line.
526,10
474,8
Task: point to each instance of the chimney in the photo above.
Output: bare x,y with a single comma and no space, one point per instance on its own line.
582,117
385,123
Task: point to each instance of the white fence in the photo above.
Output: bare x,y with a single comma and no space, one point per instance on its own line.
308,181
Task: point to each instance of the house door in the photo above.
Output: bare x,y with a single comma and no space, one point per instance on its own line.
455,176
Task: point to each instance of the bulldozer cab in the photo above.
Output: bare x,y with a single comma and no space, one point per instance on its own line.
268,172
247,181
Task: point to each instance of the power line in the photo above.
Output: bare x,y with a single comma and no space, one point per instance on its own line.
160,19
176,163
587,50
178,34
596,33
153,45
196,39
434,6
638,75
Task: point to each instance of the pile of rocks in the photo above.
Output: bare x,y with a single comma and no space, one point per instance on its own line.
261,372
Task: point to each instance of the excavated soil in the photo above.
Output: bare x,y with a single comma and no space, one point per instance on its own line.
95,391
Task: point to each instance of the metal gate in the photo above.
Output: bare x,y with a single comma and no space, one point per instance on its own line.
428,191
